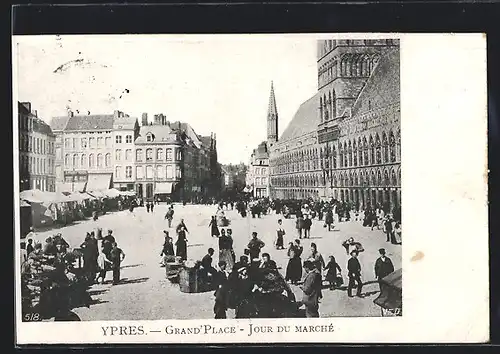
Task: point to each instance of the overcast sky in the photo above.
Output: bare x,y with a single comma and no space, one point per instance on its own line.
218,84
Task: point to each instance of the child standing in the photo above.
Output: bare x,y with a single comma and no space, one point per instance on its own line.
280,233
333,274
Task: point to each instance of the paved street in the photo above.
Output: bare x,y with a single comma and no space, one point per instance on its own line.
145,293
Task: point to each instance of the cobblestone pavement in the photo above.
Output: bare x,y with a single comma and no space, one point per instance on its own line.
145,294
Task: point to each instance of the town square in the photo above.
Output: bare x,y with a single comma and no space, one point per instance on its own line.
222,190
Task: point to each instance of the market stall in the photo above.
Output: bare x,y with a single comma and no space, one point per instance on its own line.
390,299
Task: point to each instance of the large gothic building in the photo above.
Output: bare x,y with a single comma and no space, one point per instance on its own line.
344,142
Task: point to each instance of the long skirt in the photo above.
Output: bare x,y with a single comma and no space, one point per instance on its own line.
294,269
228,257
181,250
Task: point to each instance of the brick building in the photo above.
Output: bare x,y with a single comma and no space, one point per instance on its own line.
86,148
344,142
36,151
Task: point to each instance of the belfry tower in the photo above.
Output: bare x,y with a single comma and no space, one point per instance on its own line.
272,119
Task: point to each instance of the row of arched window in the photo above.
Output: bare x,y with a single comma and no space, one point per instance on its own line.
82,161
372,178
328,45
349,65
369,150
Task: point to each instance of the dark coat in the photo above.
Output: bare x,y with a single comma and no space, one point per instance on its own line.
312,288
353,267
383,268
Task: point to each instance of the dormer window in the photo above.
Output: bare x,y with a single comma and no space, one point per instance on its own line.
150,137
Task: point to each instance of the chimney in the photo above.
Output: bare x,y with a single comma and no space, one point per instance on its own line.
70,113
144,119
35,113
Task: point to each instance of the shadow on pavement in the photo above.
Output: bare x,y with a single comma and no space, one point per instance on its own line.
97,292
97,302
132,265
132,281
197,245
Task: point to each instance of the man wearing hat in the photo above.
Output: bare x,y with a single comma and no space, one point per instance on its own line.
383,267
254,246
312,289
354,273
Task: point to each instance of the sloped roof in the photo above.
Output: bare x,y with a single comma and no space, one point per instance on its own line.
21,109
162,133
189,131
206,140
124,122
58,123
41,127
90,122
305,120
383,86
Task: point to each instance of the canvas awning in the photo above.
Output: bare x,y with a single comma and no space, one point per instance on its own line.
112,193
391,296
163,188
97,194
98,182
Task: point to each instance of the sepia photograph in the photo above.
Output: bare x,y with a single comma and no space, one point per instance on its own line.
250,188
221,182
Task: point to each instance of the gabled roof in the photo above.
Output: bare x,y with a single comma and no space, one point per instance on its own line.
189,131
383,86
162,133
90,122
58,123
305,120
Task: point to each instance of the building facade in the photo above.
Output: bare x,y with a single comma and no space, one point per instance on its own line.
36,151
344,142
258,171
125,131
86,150
172,161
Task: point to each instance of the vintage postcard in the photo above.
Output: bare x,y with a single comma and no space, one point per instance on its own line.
250,188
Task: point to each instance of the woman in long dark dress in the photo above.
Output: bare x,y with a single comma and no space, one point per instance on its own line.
181,244
294,267
333,270
226,252
214,229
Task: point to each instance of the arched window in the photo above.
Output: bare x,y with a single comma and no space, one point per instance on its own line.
394,180
375,60
107,160
91,160
99,160
359,70
392,147
379,178
341,156
366,66
325,107
347,153
67,160
321,109
372,151
385,145
355,153
365,151
373,180
334,157
387,182
83,161
75,160
378,149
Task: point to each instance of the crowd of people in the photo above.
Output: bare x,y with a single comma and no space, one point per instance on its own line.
236,279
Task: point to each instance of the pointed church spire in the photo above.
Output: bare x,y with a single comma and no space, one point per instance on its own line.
272,103
272,118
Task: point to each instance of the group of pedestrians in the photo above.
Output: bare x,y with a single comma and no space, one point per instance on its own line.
98,259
